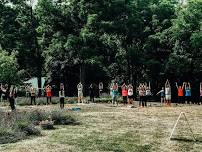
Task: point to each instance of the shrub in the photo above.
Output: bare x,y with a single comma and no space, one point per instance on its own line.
9,136
27,127
37,116
47,124
62,118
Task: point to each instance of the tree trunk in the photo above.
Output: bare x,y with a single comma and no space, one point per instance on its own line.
82,76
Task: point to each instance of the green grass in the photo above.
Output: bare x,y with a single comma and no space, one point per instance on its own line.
119,129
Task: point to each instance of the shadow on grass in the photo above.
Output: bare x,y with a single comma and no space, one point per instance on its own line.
199,140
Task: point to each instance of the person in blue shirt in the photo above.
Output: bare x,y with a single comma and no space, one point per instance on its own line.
162,93
114,94
188,93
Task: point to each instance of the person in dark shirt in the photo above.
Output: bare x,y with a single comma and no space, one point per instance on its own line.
91,93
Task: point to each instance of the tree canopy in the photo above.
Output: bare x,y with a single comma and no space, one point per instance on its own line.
90,41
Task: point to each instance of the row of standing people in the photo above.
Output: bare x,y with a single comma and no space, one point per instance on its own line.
184,93
127,93
144,92
48,91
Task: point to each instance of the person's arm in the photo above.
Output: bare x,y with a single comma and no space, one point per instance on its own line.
201,86
122,86
184,85
149,86
189,85
176,85
145,84
166,84
158,92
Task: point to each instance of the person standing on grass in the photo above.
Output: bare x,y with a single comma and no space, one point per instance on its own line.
62,96
162,94
168,93
80,92
147,93
180,90
141,95
114,94
100,89
4,95
200,101
33,95
188,93
27,90
130,94
48,93
12,96
124,93
92,93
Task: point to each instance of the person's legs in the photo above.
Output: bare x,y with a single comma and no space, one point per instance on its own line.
129,100
183,100
186,99
60,102
92,99
116,100
178,100
34,100
145,101
50,100
47,100
125,100
63,102
31,100
12,103
113,100
140,102
161,100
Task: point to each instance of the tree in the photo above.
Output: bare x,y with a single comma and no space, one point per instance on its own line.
9,72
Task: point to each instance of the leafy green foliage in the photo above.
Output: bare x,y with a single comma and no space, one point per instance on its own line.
92,41
9,68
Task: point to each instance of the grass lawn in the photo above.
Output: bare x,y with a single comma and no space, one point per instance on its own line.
118,129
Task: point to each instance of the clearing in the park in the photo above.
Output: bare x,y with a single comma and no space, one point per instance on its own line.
119,129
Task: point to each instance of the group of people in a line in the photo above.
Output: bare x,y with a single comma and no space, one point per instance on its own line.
127,93
144,93
183,93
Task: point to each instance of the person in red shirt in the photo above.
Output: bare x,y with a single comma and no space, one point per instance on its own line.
124,93
48,93
180,90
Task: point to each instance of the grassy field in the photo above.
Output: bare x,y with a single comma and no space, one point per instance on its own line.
118,129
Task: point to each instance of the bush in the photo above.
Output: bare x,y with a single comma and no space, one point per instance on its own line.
61,118
28,128
47,124
9,136
37,116
16,126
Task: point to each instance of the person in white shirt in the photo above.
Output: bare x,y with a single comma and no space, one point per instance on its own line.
168,93
62,96
130,94
80,92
